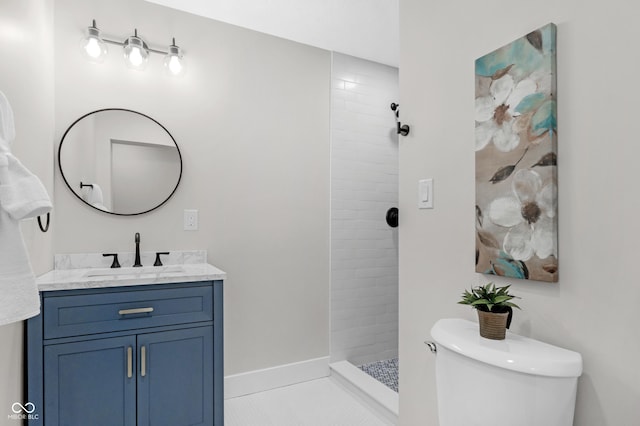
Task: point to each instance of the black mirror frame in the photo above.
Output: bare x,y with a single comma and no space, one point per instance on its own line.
107,212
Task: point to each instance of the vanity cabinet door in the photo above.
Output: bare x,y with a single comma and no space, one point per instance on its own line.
91,382
175,377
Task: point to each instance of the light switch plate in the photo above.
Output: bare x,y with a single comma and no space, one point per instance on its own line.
425,194
191,220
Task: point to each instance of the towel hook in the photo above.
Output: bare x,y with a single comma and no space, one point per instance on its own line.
44,228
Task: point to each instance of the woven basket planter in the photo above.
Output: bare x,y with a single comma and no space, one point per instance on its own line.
493,325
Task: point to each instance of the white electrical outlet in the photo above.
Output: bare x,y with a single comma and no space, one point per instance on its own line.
191,220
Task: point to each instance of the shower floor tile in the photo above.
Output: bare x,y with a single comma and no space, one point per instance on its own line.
386,372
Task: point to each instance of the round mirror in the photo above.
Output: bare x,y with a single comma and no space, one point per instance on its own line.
120,161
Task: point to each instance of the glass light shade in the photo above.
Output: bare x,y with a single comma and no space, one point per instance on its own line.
93,47
174,61
136,53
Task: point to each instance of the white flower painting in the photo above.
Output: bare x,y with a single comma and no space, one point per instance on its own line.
516,159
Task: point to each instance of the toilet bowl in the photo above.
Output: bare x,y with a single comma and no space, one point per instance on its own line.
513,382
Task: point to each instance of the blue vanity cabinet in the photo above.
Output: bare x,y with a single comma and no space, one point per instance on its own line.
139,355
175,377
88,380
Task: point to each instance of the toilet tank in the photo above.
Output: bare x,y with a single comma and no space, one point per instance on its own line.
513,382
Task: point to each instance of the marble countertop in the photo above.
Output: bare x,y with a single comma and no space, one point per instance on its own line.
72,279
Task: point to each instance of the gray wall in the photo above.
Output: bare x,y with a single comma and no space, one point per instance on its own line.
592,309
364,184
251,117
26,78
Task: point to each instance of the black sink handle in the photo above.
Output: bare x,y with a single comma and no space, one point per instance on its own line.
115,263
158,262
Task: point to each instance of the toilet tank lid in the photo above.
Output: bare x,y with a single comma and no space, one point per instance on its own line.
515,353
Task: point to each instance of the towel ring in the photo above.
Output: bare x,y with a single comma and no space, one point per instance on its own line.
46,227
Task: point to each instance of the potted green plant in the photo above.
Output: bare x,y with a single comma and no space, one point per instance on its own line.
494,307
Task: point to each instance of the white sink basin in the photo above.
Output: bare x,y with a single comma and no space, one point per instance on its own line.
153,270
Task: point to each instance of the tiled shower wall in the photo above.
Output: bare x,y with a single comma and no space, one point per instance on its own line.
364,185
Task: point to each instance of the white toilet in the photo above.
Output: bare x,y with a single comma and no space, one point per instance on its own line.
513,382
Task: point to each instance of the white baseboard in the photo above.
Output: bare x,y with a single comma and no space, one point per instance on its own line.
368,390
275,377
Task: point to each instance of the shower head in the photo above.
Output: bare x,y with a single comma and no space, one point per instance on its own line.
394,107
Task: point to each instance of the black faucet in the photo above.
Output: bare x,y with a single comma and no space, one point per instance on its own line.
137,262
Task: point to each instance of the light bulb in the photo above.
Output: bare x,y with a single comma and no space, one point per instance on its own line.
135,57
136,52
174,65
174,62
93,47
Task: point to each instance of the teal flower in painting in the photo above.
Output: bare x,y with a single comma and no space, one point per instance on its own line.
531,53
497,112
530,217
505,266
544,120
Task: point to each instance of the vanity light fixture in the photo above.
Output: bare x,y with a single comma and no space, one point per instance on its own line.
136,51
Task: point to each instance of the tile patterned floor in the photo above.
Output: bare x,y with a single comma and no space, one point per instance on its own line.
385,372
319,402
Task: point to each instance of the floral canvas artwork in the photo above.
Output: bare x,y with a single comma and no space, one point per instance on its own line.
516,162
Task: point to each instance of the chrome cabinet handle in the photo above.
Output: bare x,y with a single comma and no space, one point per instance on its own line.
134,311
129,362
143,361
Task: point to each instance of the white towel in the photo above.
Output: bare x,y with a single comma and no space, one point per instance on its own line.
93,196
7,126
22,195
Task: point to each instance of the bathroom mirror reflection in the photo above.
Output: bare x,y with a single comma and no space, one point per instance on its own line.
120,161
